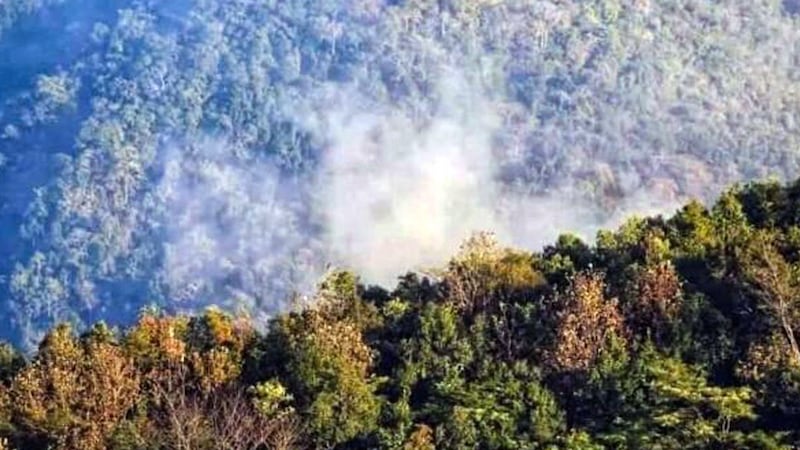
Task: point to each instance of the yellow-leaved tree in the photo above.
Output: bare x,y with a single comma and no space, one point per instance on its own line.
76,391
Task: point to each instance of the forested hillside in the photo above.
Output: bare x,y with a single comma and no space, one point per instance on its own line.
196,152
669,333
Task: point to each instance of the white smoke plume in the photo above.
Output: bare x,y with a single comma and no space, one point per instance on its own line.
233,228
398,194
391,193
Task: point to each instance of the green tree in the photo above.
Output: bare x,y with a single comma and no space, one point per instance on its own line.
328,367
11,362
676,407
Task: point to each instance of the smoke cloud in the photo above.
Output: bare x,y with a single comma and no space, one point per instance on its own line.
391,193
234,228
397,195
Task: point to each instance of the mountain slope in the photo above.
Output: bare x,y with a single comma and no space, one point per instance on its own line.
612,105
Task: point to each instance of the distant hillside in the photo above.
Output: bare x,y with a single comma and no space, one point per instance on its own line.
107,109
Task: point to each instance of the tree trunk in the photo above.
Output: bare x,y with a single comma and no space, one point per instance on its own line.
789,332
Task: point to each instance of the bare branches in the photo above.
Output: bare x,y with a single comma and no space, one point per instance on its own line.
776,284
222,419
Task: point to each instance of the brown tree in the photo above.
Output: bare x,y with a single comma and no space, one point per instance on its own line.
653,300
75,393
195,401
224,418
586,322
421,439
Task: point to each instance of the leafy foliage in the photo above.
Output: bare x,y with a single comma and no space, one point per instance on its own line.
498,349
665,333
606,98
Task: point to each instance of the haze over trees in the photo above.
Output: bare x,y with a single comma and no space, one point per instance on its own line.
161,157
669,333
107,108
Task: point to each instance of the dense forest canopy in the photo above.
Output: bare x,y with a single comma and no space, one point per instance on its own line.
668,333
322,171
184,153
